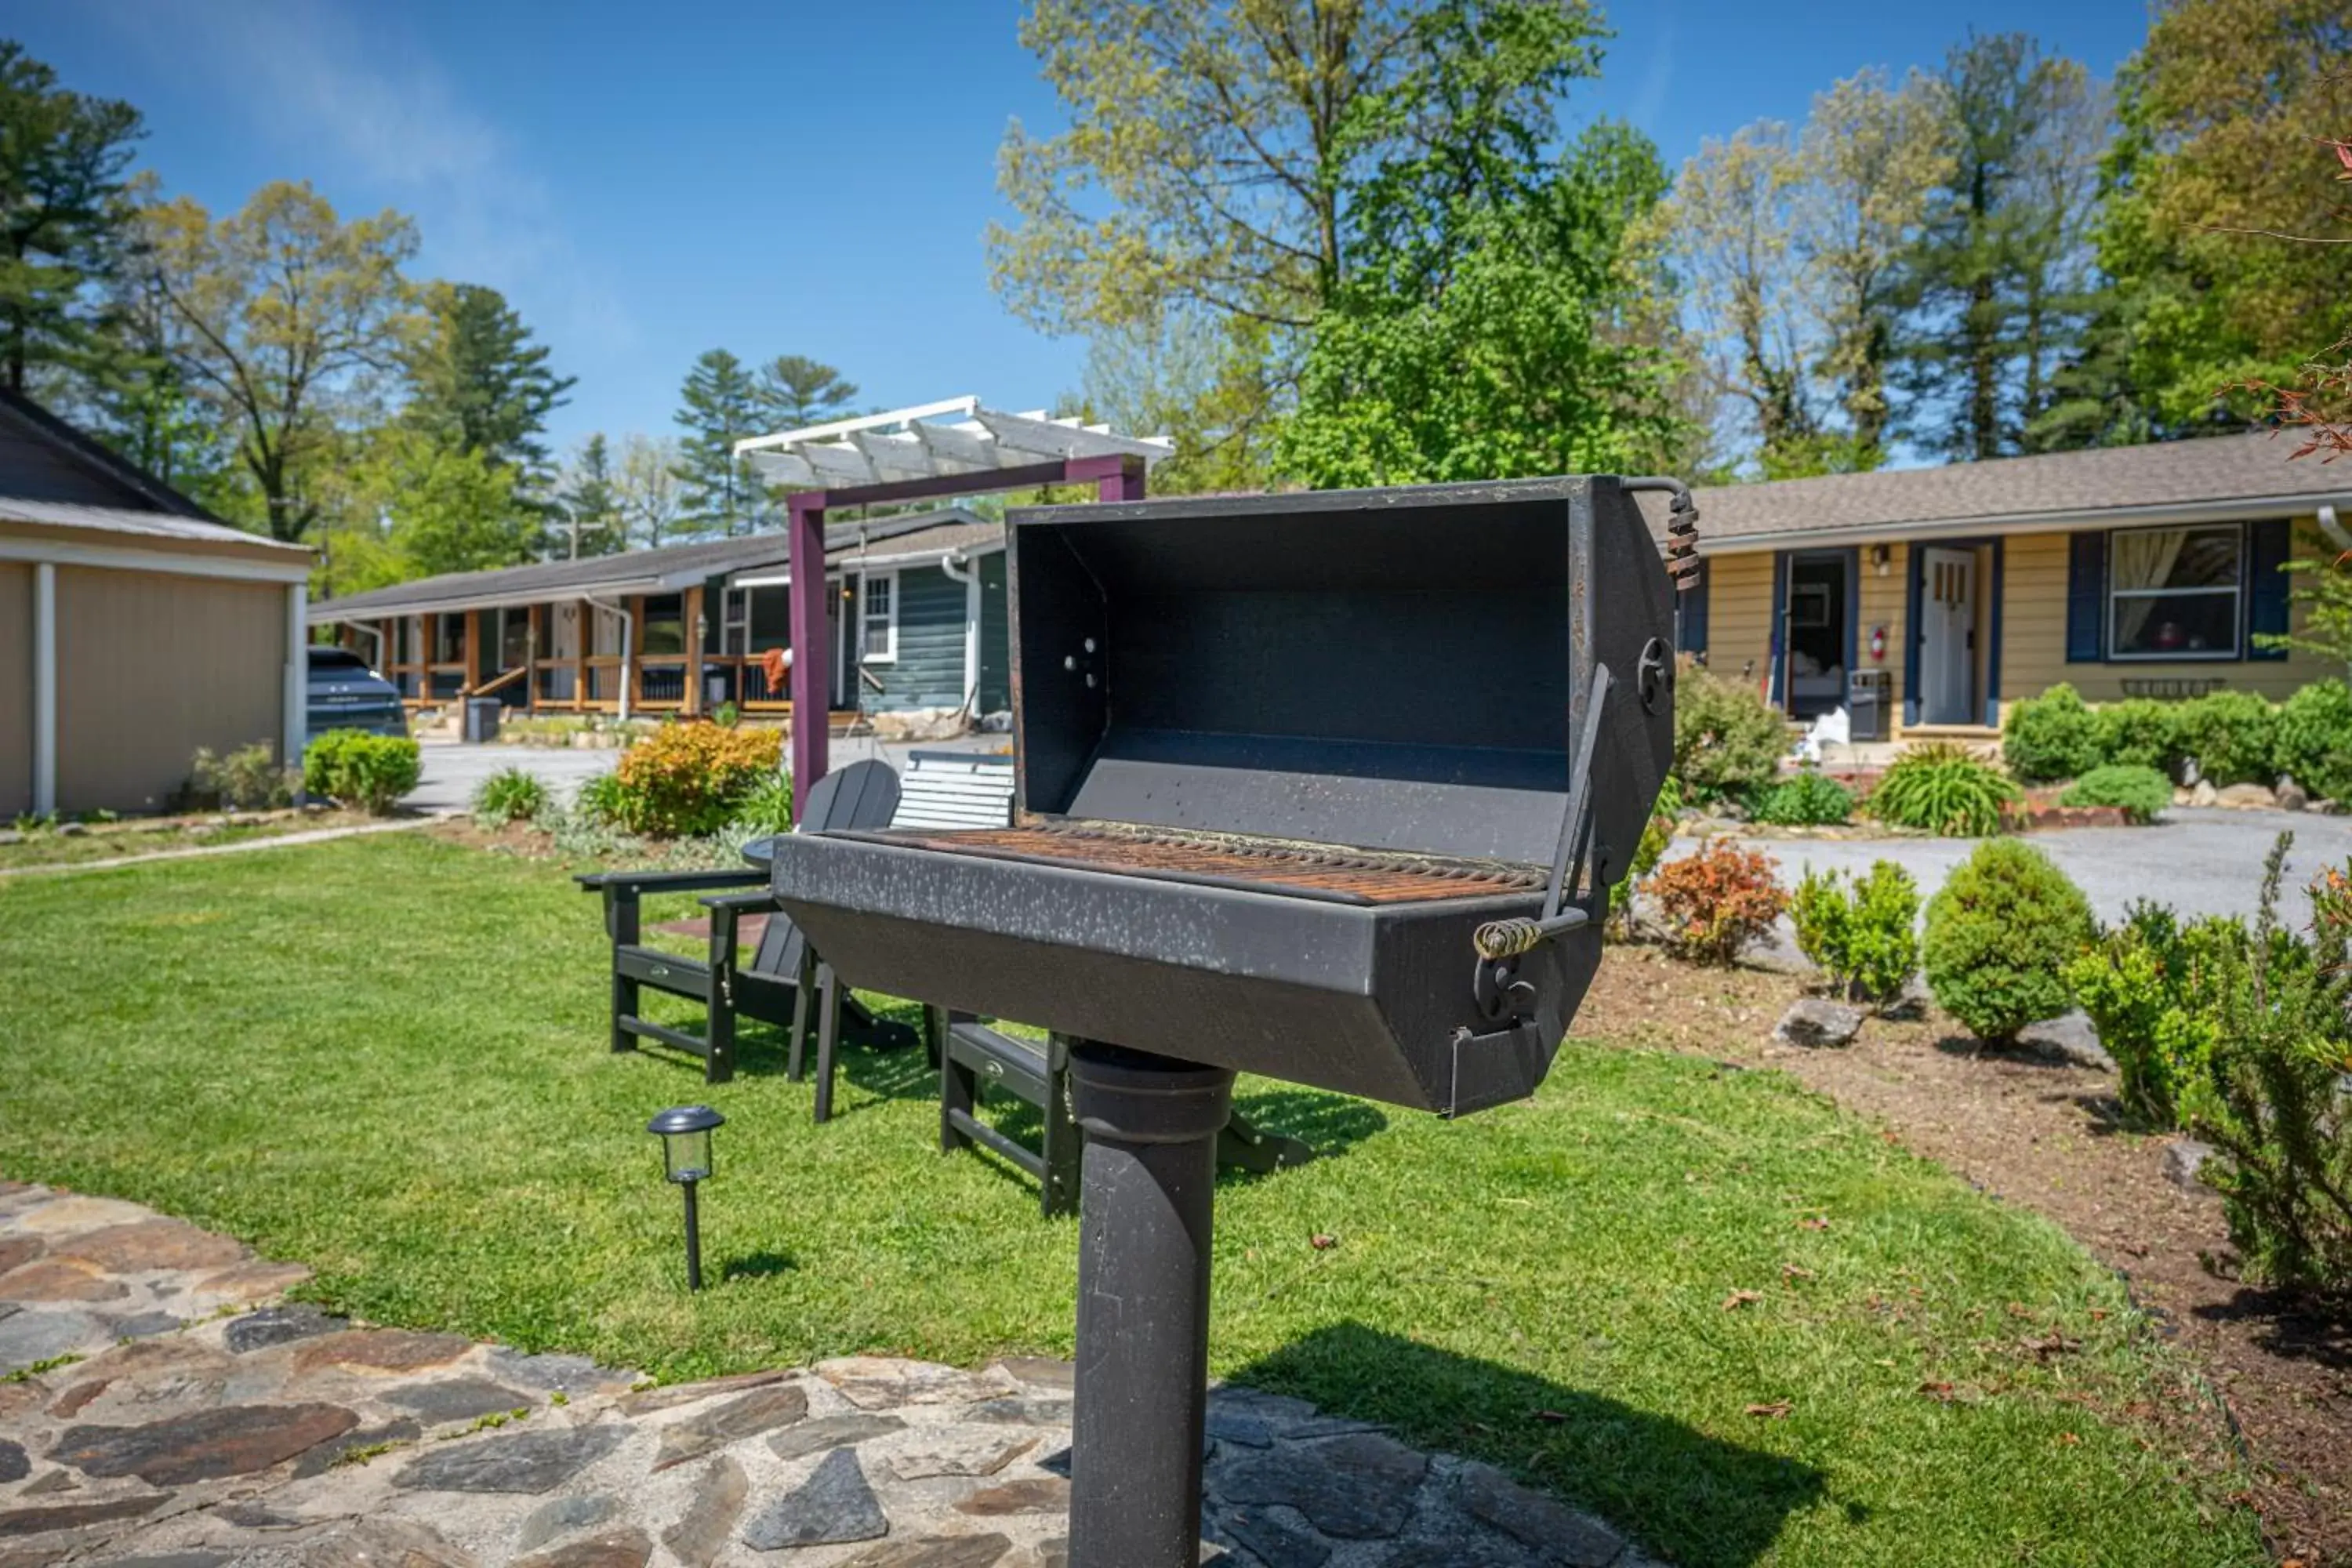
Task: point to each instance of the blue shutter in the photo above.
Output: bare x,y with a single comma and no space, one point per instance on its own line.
1693,606
2267,544
2086,598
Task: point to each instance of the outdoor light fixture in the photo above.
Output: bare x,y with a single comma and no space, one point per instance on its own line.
684,1132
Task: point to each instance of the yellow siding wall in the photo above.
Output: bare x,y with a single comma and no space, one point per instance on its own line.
1741,615
2034,638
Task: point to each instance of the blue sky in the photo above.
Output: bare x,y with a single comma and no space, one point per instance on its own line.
646,181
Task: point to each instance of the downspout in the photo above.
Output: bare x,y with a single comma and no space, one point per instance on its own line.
959,568
628,633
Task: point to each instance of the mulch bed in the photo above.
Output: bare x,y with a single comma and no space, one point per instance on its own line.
2047,1135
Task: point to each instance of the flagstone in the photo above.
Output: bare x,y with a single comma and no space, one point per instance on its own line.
627,1547
1029,1494
701,1532
380,1350
253,1281
833,1506
327,1455
761,1410
645,1401
65,1216
960,1453
30,1338
13,1465
15,1251
61,1279
566,1375
280,1325
875,1382
832,1432
524,1462
55,1516
146,1245
561,1516
386,1541
457,1399
937,1551
227,1440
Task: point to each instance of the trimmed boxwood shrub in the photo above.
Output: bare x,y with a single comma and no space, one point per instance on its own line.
2314,739
1999,932
2052,736
357,769
2230,735
2141,731
1941,786
1805,800
2138,792
1727,741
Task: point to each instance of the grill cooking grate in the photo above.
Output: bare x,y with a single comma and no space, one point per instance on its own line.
1328,871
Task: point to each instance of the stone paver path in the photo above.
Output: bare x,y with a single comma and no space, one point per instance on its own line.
160,1406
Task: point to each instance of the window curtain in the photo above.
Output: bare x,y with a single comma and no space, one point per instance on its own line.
2143,559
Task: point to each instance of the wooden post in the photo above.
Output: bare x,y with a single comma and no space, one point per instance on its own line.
584,637
425,654
690,615
630,666
812,657
530,657
472,621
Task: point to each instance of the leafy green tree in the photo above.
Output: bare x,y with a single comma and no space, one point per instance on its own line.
795,391
1217,155
477,382
720,405
2221,229
447,509
66,215
1999,285
588,504
290,323
1502,333
1198,379
647,487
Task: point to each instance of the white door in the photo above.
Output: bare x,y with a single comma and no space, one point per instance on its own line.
1948,660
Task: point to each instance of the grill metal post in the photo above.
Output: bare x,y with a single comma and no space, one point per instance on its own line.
1148,1187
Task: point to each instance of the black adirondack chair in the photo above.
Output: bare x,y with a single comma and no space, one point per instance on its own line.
786,982
976,1058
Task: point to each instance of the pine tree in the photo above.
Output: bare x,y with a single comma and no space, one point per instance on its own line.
66,215
720,405
479,384
797,392
589,502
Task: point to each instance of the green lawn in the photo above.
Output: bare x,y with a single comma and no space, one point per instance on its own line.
385,1057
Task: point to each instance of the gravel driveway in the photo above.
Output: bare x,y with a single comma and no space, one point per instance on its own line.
2200,861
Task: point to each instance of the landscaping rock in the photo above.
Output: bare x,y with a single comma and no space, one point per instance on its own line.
1031,1494
700,1533
1567,1537
627,1547
648,1400
1817,1021
2072,1039
965,1454
326,1456
2292,796
2184,1162
832,1432
833,1506
10,838
152,1244
457,1399
1359,1488
761,1410
937,1551
525,1462
278,1326
2247,797
13,1466
2202,792
227,1440
72,829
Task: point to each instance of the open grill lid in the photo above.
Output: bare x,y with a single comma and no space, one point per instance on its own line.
1397,669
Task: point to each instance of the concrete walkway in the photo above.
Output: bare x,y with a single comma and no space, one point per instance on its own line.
197,851
162,1408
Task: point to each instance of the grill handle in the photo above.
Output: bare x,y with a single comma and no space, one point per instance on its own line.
1682,527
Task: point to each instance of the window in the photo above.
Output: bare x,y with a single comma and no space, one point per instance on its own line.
879,617
449,638
2174,592
664,628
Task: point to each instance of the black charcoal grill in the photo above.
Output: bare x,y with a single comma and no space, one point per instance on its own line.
1330,787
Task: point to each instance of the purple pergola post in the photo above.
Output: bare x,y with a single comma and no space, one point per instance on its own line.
1115,478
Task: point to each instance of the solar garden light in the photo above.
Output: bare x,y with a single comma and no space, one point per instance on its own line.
685,1132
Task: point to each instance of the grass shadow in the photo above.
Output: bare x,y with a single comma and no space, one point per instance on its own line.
757,1266
1702,1499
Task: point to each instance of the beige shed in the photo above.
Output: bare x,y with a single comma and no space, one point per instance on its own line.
134,627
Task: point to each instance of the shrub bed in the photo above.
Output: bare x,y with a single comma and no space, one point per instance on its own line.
688,780
1805,800
2052,736
2140,794
1940,786
368,773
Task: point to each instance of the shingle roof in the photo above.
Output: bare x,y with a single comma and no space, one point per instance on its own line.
96,457
2058,488
652,570
121,520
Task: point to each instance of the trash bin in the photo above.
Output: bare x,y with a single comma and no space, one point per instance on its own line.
482,718
1868,694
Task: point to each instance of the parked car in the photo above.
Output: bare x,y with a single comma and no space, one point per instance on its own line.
345,694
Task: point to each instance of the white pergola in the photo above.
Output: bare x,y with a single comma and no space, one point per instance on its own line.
956,439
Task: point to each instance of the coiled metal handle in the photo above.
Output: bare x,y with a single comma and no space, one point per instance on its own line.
1506,939
1682,529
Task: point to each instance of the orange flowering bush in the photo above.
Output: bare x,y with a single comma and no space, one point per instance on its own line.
686,780
1717,900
